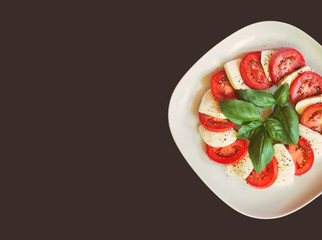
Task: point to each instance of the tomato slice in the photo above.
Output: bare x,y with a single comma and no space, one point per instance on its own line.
266,177
221,88
305,85
302,155
230,154
215,124
252,72
284,62
312,117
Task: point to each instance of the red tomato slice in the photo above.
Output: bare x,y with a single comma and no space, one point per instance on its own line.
305,85
221,88
312,117
230,154
266,177
284,62
302,155
252,72
215,124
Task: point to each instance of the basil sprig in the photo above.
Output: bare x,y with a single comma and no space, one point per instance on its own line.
281,126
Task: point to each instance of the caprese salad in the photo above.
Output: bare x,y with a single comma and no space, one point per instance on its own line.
264,150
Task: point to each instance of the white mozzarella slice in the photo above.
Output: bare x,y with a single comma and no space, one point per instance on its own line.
233,73
305,103
218,139
265,58
292,76
314,139
210,106
241,169
286,167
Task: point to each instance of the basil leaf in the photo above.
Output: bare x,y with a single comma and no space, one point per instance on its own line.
239,111
276,131
281,95
248,130
261,150
276,109
289,120
260,98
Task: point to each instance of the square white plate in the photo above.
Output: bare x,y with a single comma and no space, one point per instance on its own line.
275,201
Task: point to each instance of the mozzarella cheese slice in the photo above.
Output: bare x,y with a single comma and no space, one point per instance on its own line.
233,74
265,58
305,103
241,169
286,167
218,139
210,106
313,138
292,76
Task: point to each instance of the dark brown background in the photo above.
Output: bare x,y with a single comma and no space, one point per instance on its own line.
97,157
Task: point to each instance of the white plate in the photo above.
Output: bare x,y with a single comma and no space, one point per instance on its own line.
275,201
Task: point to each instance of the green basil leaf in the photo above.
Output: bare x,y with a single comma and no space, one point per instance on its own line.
248,130
276,131
289,120
281,95
239,111
275,111
261,150
260,98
